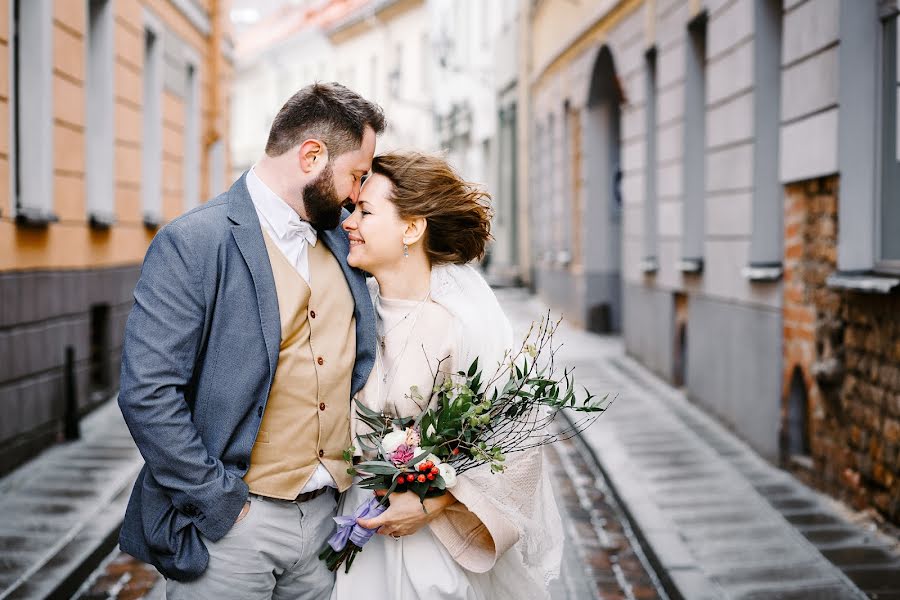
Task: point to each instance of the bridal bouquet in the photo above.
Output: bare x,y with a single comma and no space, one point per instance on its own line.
474,422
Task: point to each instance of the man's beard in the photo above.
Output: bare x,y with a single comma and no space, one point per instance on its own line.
321,202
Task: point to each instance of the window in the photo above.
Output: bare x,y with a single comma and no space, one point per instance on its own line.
565,188
867,147
694,164
99,136
649,263
538,198
551,196
397,74
151,155
766,243
32,111
215,158
425,58
888,211
191,137
577,216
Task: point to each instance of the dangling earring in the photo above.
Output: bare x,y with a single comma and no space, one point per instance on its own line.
405,251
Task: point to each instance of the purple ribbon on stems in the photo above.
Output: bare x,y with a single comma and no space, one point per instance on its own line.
349,529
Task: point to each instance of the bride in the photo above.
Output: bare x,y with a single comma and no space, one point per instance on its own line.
415,227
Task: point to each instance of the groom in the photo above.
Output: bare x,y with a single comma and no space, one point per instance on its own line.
248,335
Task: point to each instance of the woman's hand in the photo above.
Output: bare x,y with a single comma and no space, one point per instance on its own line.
405,515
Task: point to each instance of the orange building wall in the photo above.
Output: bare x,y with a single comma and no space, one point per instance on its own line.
4,115
71,243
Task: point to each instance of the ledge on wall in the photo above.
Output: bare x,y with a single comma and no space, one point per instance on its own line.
866,282
690,265
101,220
762,272
36,218
649,265
152,221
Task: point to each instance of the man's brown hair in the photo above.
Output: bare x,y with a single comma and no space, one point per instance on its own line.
329,112
458,213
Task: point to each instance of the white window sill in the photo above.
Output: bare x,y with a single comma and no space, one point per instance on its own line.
690,265
762,272
649,266
152,221
36,218
869,283
101,220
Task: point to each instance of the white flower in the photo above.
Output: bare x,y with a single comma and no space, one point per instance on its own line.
392,441
448,474
434,461
430,431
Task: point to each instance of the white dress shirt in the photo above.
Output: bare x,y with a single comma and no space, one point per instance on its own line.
291,235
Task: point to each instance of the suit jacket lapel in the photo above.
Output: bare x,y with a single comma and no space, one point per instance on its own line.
248,237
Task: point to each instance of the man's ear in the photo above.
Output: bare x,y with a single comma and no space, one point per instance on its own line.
313,155
415,230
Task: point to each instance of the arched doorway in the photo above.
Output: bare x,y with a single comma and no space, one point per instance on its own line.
601,225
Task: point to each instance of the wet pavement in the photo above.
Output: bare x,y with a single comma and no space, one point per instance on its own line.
62,510
717,520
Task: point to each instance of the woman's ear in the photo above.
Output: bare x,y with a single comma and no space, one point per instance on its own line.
415,230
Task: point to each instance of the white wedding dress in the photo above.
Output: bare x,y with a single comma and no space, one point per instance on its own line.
460,321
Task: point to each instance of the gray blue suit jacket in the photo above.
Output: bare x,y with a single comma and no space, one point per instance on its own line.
200,351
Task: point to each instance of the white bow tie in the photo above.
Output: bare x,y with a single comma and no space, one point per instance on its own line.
303,230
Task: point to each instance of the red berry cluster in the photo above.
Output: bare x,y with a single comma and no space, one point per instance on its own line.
426,472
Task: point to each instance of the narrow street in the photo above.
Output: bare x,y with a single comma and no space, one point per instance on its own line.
602,558
658,501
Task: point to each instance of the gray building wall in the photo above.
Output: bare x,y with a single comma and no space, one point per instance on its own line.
732,350
734,367
41,313
649,327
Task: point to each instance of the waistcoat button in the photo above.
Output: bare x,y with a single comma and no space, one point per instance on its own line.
321,361
321,406
321,453
312,314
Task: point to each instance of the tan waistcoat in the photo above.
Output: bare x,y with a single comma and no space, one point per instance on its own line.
307,417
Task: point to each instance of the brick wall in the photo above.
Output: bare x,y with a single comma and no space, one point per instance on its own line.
846,347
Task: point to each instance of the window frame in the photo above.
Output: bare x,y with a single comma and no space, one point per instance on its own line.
887,95
193,131
650,259
32,156
100,115
151,148
693,206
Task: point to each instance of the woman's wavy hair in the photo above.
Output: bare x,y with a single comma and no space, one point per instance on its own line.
458,212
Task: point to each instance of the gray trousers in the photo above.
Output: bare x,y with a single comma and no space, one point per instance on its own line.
271,553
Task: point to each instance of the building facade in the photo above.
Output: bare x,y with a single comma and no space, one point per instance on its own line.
381,49
717,179
115,122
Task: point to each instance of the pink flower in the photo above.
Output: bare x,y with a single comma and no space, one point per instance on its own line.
403,454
